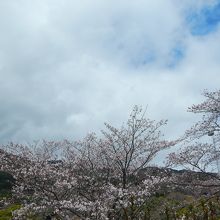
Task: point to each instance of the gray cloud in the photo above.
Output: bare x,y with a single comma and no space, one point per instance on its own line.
66,67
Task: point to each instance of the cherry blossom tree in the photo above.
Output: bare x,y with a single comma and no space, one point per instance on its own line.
119,155
210,110
198,151
133,146
43,183
94,178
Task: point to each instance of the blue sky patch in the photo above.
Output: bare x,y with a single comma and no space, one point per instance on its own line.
175,56
204,21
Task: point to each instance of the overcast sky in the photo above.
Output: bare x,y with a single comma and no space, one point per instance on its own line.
68,66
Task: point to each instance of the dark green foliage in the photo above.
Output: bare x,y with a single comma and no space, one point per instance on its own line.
6,183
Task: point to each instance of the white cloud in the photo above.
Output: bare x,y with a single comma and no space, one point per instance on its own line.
66,67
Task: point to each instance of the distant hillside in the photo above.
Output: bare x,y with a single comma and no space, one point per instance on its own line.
183,180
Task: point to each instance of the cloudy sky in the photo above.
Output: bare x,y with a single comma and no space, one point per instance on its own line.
68,66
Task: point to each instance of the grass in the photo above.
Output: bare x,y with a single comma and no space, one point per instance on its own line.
6,214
